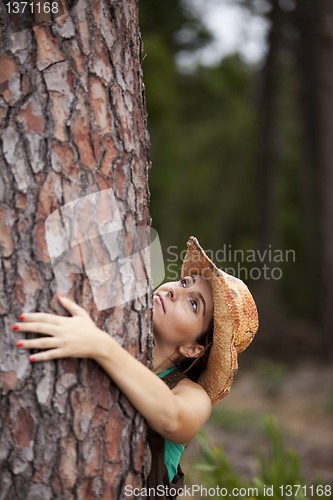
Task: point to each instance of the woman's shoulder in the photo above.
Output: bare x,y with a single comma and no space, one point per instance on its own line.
188,391
186,386
186,381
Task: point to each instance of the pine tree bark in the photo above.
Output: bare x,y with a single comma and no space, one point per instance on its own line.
72,123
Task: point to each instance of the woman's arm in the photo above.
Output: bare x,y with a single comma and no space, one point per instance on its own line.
176,415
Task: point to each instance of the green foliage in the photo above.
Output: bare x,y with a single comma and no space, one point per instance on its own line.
179,27
160,78
234,420
278,467
203,165
206,147
282,467
203,136
215,468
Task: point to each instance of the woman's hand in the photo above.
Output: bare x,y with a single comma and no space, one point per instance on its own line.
176,415
75,337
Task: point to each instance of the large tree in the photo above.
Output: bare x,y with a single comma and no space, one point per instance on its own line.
324,100
315,60
73,123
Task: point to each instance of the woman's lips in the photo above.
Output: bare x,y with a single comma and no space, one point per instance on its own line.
160,301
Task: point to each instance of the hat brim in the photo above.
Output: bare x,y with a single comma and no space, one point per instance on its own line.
222,365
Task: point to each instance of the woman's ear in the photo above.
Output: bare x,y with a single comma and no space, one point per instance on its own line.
191,350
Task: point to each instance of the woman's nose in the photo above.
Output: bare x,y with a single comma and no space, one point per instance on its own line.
173,292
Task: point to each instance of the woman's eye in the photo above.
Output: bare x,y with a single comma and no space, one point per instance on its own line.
194,305
183,282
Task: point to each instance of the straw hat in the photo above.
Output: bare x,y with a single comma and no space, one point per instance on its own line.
235,321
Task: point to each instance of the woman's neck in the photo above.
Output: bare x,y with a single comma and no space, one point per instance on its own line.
163,360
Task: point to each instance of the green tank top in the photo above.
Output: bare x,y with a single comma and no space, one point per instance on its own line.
172,451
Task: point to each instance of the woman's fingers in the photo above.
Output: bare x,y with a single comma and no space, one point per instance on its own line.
41,343
71,306
54,319
70,337
47,355
41,318
46,328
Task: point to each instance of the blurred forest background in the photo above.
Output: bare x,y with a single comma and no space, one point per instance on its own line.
242,158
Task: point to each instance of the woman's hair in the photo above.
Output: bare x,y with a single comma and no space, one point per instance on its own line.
194,367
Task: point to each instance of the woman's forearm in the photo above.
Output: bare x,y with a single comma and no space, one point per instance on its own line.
175,415
79,337
147,393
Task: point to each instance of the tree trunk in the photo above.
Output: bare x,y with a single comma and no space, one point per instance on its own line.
314,20
269,115
304,19
324,90
73,123
305,22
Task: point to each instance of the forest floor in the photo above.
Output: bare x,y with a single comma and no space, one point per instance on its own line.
301,401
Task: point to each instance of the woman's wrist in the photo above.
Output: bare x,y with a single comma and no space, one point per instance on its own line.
101,345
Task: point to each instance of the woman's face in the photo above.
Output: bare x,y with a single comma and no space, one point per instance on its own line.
182,310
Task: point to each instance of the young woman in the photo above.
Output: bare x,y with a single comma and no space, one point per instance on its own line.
201,323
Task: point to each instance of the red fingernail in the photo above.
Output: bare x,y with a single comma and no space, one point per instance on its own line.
19,344
15,327
21,318
61,295
32,358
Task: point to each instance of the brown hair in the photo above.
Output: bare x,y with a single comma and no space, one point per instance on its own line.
194,368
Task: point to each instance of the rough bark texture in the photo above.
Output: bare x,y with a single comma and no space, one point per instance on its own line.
73,122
